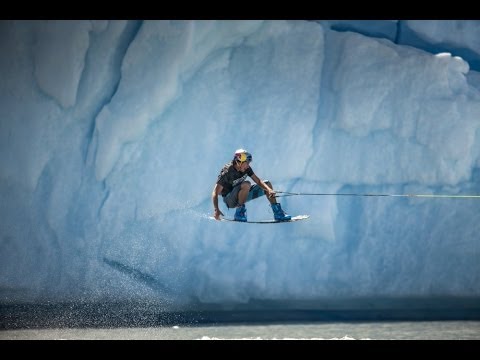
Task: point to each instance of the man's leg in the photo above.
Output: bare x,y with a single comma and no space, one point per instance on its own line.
272,200
241,211
256,191
243,193
278,213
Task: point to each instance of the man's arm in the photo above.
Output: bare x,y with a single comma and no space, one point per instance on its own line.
269,192
217,190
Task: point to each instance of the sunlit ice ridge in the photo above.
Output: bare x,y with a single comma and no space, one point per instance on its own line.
112,134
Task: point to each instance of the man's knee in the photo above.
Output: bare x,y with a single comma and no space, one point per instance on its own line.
245,185
269,184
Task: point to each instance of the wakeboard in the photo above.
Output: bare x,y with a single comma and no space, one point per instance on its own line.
272,221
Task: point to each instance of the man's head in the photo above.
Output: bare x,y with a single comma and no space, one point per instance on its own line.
242,155
243,158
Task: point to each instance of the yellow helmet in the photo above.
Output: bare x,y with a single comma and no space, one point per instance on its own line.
242,155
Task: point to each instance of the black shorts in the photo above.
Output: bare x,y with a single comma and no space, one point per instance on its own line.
231,199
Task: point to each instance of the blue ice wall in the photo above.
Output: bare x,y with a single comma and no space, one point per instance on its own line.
112,134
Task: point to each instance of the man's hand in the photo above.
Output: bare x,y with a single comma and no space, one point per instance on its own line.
271,194
217,213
